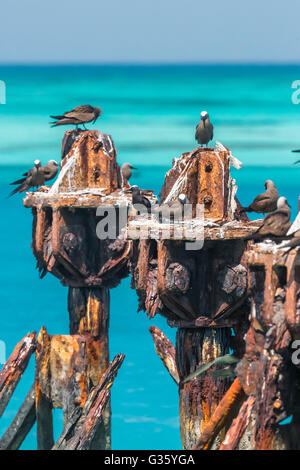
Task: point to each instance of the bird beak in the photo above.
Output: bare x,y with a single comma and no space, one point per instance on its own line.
133,167
128,191
288,205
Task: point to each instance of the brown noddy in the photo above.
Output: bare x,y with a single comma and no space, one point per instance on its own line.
173,210
294,230
32,179
265,202
126,171
138,198
276,223
204,130
50,170
79,115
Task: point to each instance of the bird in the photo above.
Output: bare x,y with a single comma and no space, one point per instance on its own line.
276,223
31,179
293,242
294,230
50,170
204,130
139,199
126,172
173,210
265,202
79,115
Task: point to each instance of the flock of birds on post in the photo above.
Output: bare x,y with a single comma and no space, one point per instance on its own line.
276,222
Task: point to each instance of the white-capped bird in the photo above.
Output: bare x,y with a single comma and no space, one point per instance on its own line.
172,210
31,179
204,130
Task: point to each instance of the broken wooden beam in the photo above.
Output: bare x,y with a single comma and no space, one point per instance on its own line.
229,403
21,425
166,351
14,368
238,426
81,430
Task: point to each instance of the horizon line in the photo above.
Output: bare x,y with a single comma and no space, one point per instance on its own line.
151,64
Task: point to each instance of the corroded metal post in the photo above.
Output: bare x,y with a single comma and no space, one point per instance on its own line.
66,244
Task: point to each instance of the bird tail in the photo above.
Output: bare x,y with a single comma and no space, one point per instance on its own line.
57,117
291,244
246,209
61,122
20,181
19,189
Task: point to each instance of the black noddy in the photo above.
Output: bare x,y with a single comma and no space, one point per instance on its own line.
204,130
79,115
173,210
276,223
126,171
265,202
50,170
138,198
31,179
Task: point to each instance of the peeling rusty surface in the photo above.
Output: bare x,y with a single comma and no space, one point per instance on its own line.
80,431
238,426
166,351
231,400
14,368
231,283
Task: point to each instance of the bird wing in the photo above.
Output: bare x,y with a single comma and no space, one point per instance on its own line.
261,197
273,222
198,128
85,108
210,128
49,173
25,176
80,116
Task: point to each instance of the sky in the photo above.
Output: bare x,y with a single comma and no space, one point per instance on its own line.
143,31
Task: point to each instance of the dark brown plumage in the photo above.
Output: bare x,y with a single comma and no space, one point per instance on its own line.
32,179
276,223
265,202
79,115
204,130
139,199
50,170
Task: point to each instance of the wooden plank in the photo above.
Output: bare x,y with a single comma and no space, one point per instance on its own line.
21,424
14,368
81,430
166,351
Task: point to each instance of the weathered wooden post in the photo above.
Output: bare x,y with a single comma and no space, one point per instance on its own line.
65,243
208,294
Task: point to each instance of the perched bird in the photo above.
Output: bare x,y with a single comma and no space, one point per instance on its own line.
204,130
276,223
265,202
293,243
50,170
173,210
32,179
78,115
294,230
138,198
126,172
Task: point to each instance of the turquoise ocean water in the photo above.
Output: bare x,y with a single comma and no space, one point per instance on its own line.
151,113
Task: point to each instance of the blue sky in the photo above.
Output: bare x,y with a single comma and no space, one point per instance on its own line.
139,31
